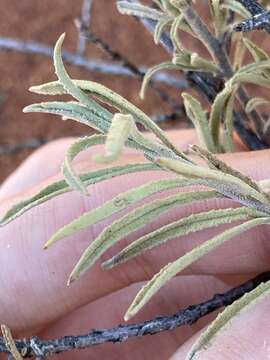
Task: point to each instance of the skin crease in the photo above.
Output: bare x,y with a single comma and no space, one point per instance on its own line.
34,297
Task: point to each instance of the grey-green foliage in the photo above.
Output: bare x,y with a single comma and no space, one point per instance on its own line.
174,16
224,319
119,131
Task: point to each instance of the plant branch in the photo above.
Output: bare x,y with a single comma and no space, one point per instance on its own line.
218,53
85,21
45,348
209,86
260,19
31,47
133,68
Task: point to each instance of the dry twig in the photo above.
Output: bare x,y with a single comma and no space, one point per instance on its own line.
121,333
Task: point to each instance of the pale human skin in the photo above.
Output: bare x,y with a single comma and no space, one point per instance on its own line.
36,301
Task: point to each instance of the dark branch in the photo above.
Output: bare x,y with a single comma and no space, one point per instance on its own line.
260,19
252,6
126,63
31,47
43,349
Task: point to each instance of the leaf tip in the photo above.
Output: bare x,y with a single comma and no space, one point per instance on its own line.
36,89
62,38
26,109
127,316
109,264
71,279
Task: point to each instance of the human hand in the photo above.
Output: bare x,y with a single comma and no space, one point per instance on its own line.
36,301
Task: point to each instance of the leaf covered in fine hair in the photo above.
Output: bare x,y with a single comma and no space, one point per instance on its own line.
226,317
128,224
184,226
170,270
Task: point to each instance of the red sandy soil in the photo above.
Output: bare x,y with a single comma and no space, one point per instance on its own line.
44,21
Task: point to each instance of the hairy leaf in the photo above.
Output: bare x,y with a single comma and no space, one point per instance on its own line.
217,111
197,115
218,16
147,77
224,319
120,202
220,165
258,53
236,7
71,110
131,222
106,95
141,11
202,64
61,187
65,80
179,23
255,102
160,27
217,176
184,226
170,270
228,143
74,180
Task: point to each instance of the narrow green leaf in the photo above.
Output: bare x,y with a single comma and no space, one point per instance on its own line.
236,7
216,113
218,16
255,102
71,110
67,83
220,165
61,187
106,95
160,27
74,180
252,78
225,318
197,115
258,53
127,225
253,67
202,64
179,23
119,203
172,269
168,65
138,10
218,177
228,143
110,97
184,226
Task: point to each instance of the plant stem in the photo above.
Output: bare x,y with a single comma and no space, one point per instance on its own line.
209,86
45,348
220,56
260,19
32,47
85,21
133,68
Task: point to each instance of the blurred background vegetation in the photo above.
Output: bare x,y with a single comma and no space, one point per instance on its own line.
26,26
